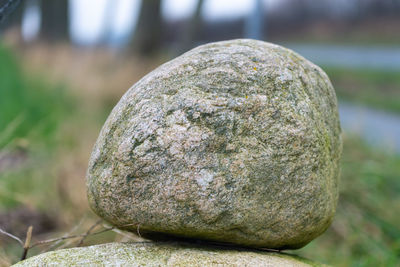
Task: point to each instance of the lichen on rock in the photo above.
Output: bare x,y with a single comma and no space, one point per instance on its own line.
167,254
235,141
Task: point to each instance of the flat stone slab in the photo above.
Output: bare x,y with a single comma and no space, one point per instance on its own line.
151,254
235,141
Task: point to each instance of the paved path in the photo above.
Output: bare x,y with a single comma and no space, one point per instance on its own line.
372,57
377,127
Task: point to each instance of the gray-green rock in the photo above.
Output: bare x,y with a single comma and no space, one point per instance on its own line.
126,254
235,141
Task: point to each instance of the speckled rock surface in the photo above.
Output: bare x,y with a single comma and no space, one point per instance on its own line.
125,254
235,141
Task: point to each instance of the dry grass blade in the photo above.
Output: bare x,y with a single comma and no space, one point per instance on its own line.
132,237
88,232
44,242
67,234
11,236
27,242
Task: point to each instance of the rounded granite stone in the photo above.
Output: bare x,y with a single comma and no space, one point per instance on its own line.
235,141
167,254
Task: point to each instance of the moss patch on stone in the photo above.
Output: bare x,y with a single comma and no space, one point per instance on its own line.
162,254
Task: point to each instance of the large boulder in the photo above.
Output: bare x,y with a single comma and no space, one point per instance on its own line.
235,141
150,254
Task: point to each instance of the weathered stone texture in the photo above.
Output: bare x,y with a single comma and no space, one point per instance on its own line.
235,141
125,254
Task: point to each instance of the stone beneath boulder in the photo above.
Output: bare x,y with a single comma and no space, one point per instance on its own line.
235,141
150,254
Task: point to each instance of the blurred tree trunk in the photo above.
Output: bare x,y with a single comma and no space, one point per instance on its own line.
110,13
192,29
12,14
147,39
55,23
255,22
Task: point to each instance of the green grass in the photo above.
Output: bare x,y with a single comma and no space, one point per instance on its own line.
30,108
366,229
380,89
31,111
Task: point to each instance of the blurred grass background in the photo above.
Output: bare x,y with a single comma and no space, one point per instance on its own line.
54,98
375,88
30,108
49,122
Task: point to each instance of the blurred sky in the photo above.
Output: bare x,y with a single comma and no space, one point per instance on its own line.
90,19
